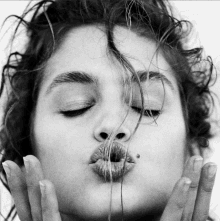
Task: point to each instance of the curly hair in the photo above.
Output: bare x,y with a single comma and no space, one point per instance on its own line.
49,23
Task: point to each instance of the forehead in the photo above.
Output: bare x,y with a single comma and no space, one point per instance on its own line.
86,49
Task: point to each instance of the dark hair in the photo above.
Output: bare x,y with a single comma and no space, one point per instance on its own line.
51,20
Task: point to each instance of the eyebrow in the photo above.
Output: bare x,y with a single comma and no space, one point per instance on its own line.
86,78
153,76
72,77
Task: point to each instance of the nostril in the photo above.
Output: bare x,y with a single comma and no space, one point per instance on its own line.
104,135
120,135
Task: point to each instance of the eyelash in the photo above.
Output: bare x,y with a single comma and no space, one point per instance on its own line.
78,112
75,113
148,112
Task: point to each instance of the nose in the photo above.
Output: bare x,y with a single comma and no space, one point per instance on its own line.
112,126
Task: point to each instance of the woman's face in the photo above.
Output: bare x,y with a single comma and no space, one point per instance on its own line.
82,100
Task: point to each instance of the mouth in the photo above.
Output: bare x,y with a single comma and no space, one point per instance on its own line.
111,163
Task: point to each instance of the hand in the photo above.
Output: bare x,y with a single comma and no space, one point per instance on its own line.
191,195
31,203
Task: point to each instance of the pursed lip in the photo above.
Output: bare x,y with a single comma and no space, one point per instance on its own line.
111,163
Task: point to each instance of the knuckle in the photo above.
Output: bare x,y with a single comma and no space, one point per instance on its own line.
45,210
194,186
180,205
207,185
207,188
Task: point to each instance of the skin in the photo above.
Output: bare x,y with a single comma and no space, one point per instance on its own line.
64,144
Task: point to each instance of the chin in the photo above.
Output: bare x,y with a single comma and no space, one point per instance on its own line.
117,215
135,207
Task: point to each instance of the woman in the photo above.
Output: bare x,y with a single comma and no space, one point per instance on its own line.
110,111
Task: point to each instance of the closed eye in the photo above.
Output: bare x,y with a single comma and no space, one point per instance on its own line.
148,112
75,113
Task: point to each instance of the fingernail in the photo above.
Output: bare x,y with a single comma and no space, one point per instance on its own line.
187,183
27,164
42,188
212,170
197,164
6,169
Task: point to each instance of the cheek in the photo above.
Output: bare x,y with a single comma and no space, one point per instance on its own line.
63,154
162,143
51,133
162,155
60,147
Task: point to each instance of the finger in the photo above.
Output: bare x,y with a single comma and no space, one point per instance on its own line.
49,203
177,201
33,175
18,188
192,170
201,210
